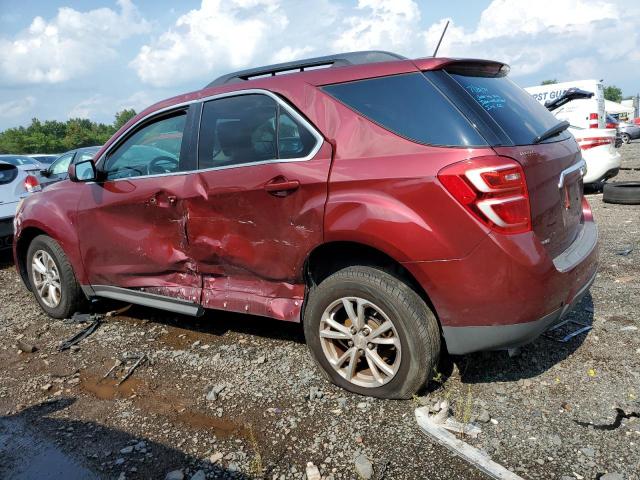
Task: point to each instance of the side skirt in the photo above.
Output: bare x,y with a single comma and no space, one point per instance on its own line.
146,299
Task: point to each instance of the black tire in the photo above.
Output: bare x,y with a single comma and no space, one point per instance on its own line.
72,299
415,323
625,137
626,193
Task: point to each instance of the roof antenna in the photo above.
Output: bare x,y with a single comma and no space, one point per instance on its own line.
441,37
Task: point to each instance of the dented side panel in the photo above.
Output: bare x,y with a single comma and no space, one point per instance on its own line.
133,234
251,245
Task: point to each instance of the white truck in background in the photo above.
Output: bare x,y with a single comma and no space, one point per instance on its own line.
583,113
587,120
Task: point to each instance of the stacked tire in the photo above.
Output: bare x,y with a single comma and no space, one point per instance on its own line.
625,193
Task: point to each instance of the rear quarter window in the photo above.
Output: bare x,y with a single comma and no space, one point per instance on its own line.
410,106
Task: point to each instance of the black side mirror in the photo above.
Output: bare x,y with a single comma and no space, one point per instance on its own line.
45,172
84,171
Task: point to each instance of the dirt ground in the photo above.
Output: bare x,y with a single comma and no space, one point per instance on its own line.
234,396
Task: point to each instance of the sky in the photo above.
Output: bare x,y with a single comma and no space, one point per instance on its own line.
92,58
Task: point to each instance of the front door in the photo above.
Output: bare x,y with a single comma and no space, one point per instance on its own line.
263,172
132,223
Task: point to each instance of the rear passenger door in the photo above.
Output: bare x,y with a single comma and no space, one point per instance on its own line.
263,170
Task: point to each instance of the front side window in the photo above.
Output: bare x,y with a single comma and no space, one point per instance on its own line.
248,129
61,165
152,150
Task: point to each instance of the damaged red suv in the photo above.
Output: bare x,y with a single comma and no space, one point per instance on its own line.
395,207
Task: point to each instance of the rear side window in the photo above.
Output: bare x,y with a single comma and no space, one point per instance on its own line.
410,106
294,140
249,129
516,112
237,130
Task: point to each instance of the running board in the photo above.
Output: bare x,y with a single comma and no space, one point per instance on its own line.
146,299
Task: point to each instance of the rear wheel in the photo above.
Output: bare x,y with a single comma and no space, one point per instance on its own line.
625,137
371,333
52,280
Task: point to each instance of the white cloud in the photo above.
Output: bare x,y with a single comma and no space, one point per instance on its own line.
216,36
386,24
287,54
582,67
552,34
15,108
549,36
88,107
69,45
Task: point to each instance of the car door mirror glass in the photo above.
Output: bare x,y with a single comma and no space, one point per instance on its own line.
84,171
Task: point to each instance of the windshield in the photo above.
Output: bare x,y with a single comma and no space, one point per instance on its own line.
516,112
44,158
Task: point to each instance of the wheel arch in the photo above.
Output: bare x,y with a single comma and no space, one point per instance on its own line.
327,258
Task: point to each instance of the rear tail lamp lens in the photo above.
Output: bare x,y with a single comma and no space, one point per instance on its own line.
587,143
493,189
31,184
593,120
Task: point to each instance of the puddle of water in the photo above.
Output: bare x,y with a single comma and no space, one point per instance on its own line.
108,388
176,410
222,428
27,455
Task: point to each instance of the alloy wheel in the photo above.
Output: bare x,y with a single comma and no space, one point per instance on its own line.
46,278
360,342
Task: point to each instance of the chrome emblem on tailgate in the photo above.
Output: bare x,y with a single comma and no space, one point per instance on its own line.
581,166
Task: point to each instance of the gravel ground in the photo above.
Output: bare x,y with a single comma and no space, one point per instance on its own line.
233,396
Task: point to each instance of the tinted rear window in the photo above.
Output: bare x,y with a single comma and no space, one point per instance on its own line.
410,106
520,116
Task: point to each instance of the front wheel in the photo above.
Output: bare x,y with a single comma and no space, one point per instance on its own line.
51,278
371,333
626,138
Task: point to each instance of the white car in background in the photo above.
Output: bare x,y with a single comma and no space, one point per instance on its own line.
19,175
598,146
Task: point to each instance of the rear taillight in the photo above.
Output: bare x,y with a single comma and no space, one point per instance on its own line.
593,120
31,184
592,142
493,189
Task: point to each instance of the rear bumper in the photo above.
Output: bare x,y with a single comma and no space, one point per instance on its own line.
461,340
509,290
601,164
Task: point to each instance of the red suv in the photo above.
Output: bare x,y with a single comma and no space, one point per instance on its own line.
395,207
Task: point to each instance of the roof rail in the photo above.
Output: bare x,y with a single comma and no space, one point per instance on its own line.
338,60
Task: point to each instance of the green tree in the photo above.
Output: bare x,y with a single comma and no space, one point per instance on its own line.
52,136
549,82
613,93
123,117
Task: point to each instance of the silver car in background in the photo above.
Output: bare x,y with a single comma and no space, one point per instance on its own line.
19,175
629,131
